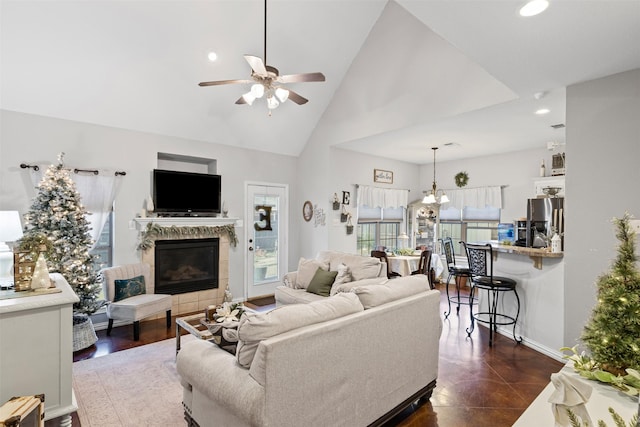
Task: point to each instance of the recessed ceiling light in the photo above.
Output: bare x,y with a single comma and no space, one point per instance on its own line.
212,56
534,7
542,111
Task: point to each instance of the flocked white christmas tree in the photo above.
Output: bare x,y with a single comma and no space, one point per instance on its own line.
57,212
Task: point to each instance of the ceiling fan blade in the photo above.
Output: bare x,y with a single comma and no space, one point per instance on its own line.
297,98
241,100
256,65
223,82
305,77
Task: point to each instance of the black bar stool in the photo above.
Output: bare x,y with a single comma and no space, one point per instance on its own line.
481,267
457,272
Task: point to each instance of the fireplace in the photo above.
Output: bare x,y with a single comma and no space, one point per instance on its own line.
186,265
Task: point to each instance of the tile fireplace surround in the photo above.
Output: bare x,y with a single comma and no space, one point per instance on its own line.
193,301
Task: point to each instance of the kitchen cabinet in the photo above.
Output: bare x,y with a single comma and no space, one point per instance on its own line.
550,181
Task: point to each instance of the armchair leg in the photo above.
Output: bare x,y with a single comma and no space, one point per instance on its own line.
168,319
109,327
136,330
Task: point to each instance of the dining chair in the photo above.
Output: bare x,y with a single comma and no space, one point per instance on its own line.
480,259
382,255
424,267
460,274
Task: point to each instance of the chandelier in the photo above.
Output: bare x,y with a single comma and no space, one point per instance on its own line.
433,196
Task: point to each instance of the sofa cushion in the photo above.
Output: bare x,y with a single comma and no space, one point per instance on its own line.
257,327
321,282
285,295
375,295
362,267
306,270
347,287
127,288
343,276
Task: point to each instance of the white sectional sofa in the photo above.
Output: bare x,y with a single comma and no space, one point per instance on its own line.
353,359
353,270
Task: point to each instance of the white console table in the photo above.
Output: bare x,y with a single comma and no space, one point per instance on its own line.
539,414
36,356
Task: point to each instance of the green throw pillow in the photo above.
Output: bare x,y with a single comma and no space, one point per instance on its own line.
129,288
321,282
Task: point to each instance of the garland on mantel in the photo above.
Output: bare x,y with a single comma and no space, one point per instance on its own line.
155,231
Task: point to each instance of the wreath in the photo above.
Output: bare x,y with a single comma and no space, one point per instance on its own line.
461,179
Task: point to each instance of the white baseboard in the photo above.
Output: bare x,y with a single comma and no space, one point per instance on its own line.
552,353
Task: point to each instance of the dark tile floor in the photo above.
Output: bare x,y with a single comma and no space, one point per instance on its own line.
477,385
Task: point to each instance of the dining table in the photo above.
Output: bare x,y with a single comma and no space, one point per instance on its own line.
405,264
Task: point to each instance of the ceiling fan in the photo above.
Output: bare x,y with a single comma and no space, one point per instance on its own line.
267,81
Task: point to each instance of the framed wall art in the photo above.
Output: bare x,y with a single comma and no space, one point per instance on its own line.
382,176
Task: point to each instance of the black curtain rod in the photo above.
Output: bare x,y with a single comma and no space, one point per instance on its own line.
93,171
26,166
96,172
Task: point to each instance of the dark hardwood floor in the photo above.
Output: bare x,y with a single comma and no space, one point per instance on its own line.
477,385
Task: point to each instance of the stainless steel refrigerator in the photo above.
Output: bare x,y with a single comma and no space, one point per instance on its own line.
544,216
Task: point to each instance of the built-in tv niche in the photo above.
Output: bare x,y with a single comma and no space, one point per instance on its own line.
186,265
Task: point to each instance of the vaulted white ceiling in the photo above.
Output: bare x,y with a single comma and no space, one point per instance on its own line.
402,76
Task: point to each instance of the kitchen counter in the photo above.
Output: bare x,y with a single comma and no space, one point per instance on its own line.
536,254
541,294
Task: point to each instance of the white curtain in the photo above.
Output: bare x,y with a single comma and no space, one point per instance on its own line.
375,197
479,197
97,193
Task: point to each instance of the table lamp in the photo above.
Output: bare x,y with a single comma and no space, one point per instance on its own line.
10,231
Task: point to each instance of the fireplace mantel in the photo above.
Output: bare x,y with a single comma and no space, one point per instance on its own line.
141,223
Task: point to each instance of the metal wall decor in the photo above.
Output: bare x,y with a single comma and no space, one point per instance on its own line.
344,215
349,224
319,215
336,202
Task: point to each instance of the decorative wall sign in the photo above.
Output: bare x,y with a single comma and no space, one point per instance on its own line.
307,211
382,176
264,220
346,197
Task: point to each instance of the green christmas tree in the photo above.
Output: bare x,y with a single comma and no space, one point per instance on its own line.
613,332
57,213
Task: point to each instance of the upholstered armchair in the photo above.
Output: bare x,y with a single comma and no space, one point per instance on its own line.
128,288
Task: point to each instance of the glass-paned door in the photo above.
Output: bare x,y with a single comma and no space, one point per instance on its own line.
266,237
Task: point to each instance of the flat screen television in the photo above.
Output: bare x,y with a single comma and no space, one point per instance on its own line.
186,193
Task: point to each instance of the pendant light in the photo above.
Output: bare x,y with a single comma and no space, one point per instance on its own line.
433,197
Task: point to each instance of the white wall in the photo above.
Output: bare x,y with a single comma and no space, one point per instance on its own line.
350,168
517,171
28,138
603,164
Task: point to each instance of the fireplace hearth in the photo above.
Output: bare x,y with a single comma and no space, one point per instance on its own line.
186,265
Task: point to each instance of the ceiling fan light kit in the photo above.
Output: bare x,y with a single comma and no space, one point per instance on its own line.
267,80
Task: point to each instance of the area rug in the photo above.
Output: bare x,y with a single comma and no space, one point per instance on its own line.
135,387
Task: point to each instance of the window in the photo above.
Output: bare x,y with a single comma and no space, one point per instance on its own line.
378,227
104,249
469,224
